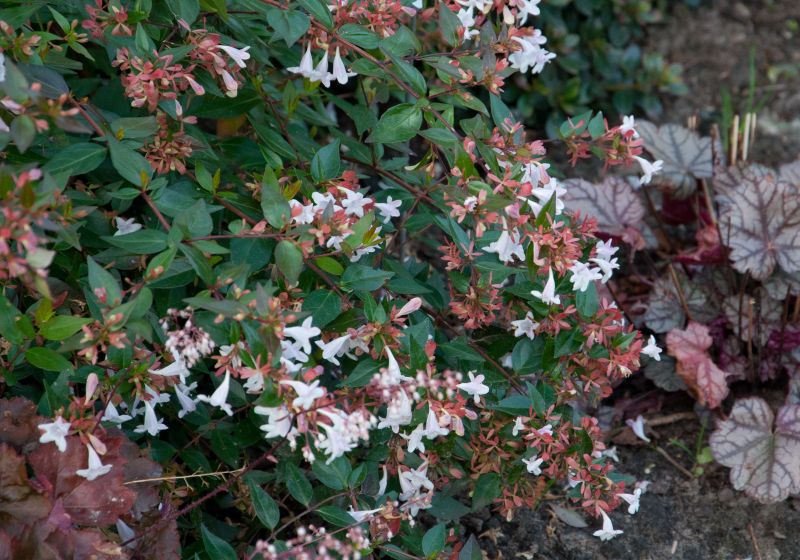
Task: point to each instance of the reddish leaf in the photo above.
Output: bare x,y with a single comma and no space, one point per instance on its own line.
18,500
18,422
705,380
764,460
98,502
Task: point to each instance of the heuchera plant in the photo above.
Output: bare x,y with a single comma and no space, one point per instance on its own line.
721,244
284,278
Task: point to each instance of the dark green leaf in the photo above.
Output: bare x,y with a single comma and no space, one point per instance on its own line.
215,547
323,305
76,159
297,484
47,359
434,539
265,507
62,326
289,260
131,165
358,277
326,163
398,124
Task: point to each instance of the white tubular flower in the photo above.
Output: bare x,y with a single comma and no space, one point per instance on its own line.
126,226
178,367
279,421
628,124
306,67
526,8
306,394
219,397
475,387
652,350
335,348
507,246
96,467
363,515
607,532
398,412
340,73
533,463
186,402
55,432
152,423
303,334
389,209
638,427
648,169
237,55
633,500
414,439
583,275
112,415
432,427
548,294
526,326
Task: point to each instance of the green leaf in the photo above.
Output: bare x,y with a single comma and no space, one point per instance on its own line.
142,242
187,10
215,547
274,205
358,277
23,131
398,124
471,550
11,322
487,488
449,24
100,278
333,476
134,127
131,165
47,359
335,516
586,301
408,73
62,326
434,539
289,260
597,126
76,159
265,507
326,163
319,10
161,261
329,265
323,305
358,35
297,484
289,25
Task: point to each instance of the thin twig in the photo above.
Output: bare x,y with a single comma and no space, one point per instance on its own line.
184,477
755,541
674,463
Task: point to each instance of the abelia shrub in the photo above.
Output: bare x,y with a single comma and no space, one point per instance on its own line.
300,263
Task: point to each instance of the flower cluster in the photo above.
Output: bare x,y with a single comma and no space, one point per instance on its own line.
354,288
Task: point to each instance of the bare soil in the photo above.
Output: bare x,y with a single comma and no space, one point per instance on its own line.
714,45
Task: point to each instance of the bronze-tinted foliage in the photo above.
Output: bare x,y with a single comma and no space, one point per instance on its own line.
52,513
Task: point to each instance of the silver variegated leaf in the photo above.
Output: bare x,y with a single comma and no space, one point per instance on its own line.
685,154
664,374
664,310
790,172
764,459
760,221
613,203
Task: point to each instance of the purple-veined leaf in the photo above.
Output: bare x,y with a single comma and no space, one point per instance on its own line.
760,221
764,459
613,203
685,154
